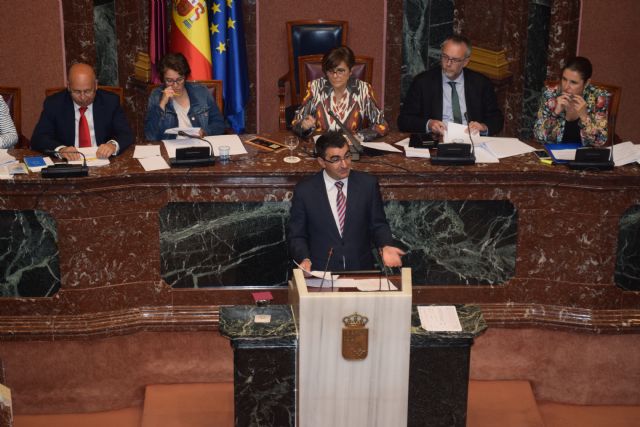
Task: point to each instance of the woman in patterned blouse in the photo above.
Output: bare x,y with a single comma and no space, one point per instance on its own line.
573,110
350,99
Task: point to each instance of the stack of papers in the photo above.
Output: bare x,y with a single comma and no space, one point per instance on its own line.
150,158
91,157
413,152
439,318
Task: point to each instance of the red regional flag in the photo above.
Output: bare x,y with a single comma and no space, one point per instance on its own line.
190,36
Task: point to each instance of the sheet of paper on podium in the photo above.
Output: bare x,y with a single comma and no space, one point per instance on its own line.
439,318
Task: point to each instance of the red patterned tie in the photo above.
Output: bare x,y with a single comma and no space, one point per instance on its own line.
84,137
341,204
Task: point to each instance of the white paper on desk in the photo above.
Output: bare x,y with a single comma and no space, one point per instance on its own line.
369,285
439,318
483,155
5,157
337,283
503,147
567,154
403,142
458,131
153,163
145,151
90,156
417,152
188,130
382,146
625,153
4,172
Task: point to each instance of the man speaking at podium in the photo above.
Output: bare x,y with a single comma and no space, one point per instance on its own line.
337,214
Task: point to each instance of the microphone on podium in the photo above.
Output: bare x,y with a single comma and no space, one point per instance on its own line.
192,156
64,170
383,268
326,267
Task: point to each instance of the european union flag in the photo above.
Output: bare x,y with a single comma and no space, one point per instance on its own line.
229,57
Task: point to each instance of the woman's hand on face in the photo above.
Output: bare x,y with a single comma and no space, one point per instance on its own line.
579,105
562,103
167,94
308,123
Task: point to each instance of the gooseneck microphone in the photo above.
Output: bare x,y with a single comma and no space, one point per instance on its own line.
473,147
326,267
383,269
192,156
64,170
355,147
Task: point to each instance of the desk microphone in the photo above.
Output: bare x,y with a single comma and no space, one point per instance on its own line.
64,170
383,269
454,154
192,156
326,267
473,147
355,147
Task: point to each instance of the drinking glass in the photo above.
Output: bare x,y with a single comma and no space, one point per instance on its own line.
292,143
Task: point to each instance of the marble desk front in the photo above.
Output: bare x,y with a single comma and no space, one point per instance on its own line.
125,250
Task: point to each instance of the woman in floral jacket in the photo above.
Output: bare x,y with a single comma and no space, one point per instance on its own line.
573,110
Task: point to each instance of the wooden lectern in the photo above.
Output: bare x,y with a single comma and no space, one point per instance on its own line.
369,391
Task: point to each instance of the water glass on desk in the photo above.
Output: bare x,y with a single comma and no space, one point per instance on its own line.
223,150
292,143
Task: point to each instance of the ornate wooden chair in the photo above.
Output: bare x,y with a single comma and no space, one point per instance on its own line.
305,37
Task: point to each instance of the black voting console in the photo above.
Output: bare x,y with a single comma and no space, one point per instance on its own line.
190,157
593,159
454,154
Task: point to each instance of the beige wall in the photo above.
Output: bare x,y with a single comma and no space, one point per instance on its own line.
366,37
32,53
609,34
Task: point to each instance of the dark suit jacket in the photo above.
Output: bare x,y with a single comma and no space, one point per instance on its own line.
57,127
424,101
313,230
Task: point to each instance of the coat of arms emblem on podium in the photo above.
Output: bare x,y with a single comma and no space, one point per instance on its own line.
355,337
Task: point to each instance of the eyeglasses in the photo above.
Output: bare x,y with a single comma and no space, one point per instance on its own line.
340,72
172,81
446,58
335,159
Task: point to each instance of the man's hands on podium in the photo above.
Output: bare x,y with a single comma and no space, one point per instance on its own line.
391,256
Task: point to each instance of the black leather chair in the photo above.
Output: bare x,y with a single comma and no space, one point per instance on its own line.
305,37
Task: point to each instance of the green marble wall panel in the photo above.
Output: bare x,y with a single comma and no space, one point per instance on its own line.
29,265
627,273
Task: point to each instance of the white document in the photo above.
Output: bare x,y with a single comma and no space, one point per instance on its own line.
382,146
232,141
503,147
625,153
483,155
403,142
369,285
144,151
417,152
188,130
567,154
90,155
337,283
153,163
4,172
5,157
439,318
458,131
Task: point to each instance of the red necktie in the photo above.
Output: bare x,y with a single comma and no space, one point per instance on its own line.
84,137
341,204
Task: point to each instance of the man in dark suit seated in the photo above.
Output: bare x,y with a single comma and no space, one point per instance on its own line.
82,116
444,94
340,210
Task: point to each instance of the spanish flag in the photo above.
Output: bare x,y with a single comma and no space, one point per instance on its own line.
190,36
